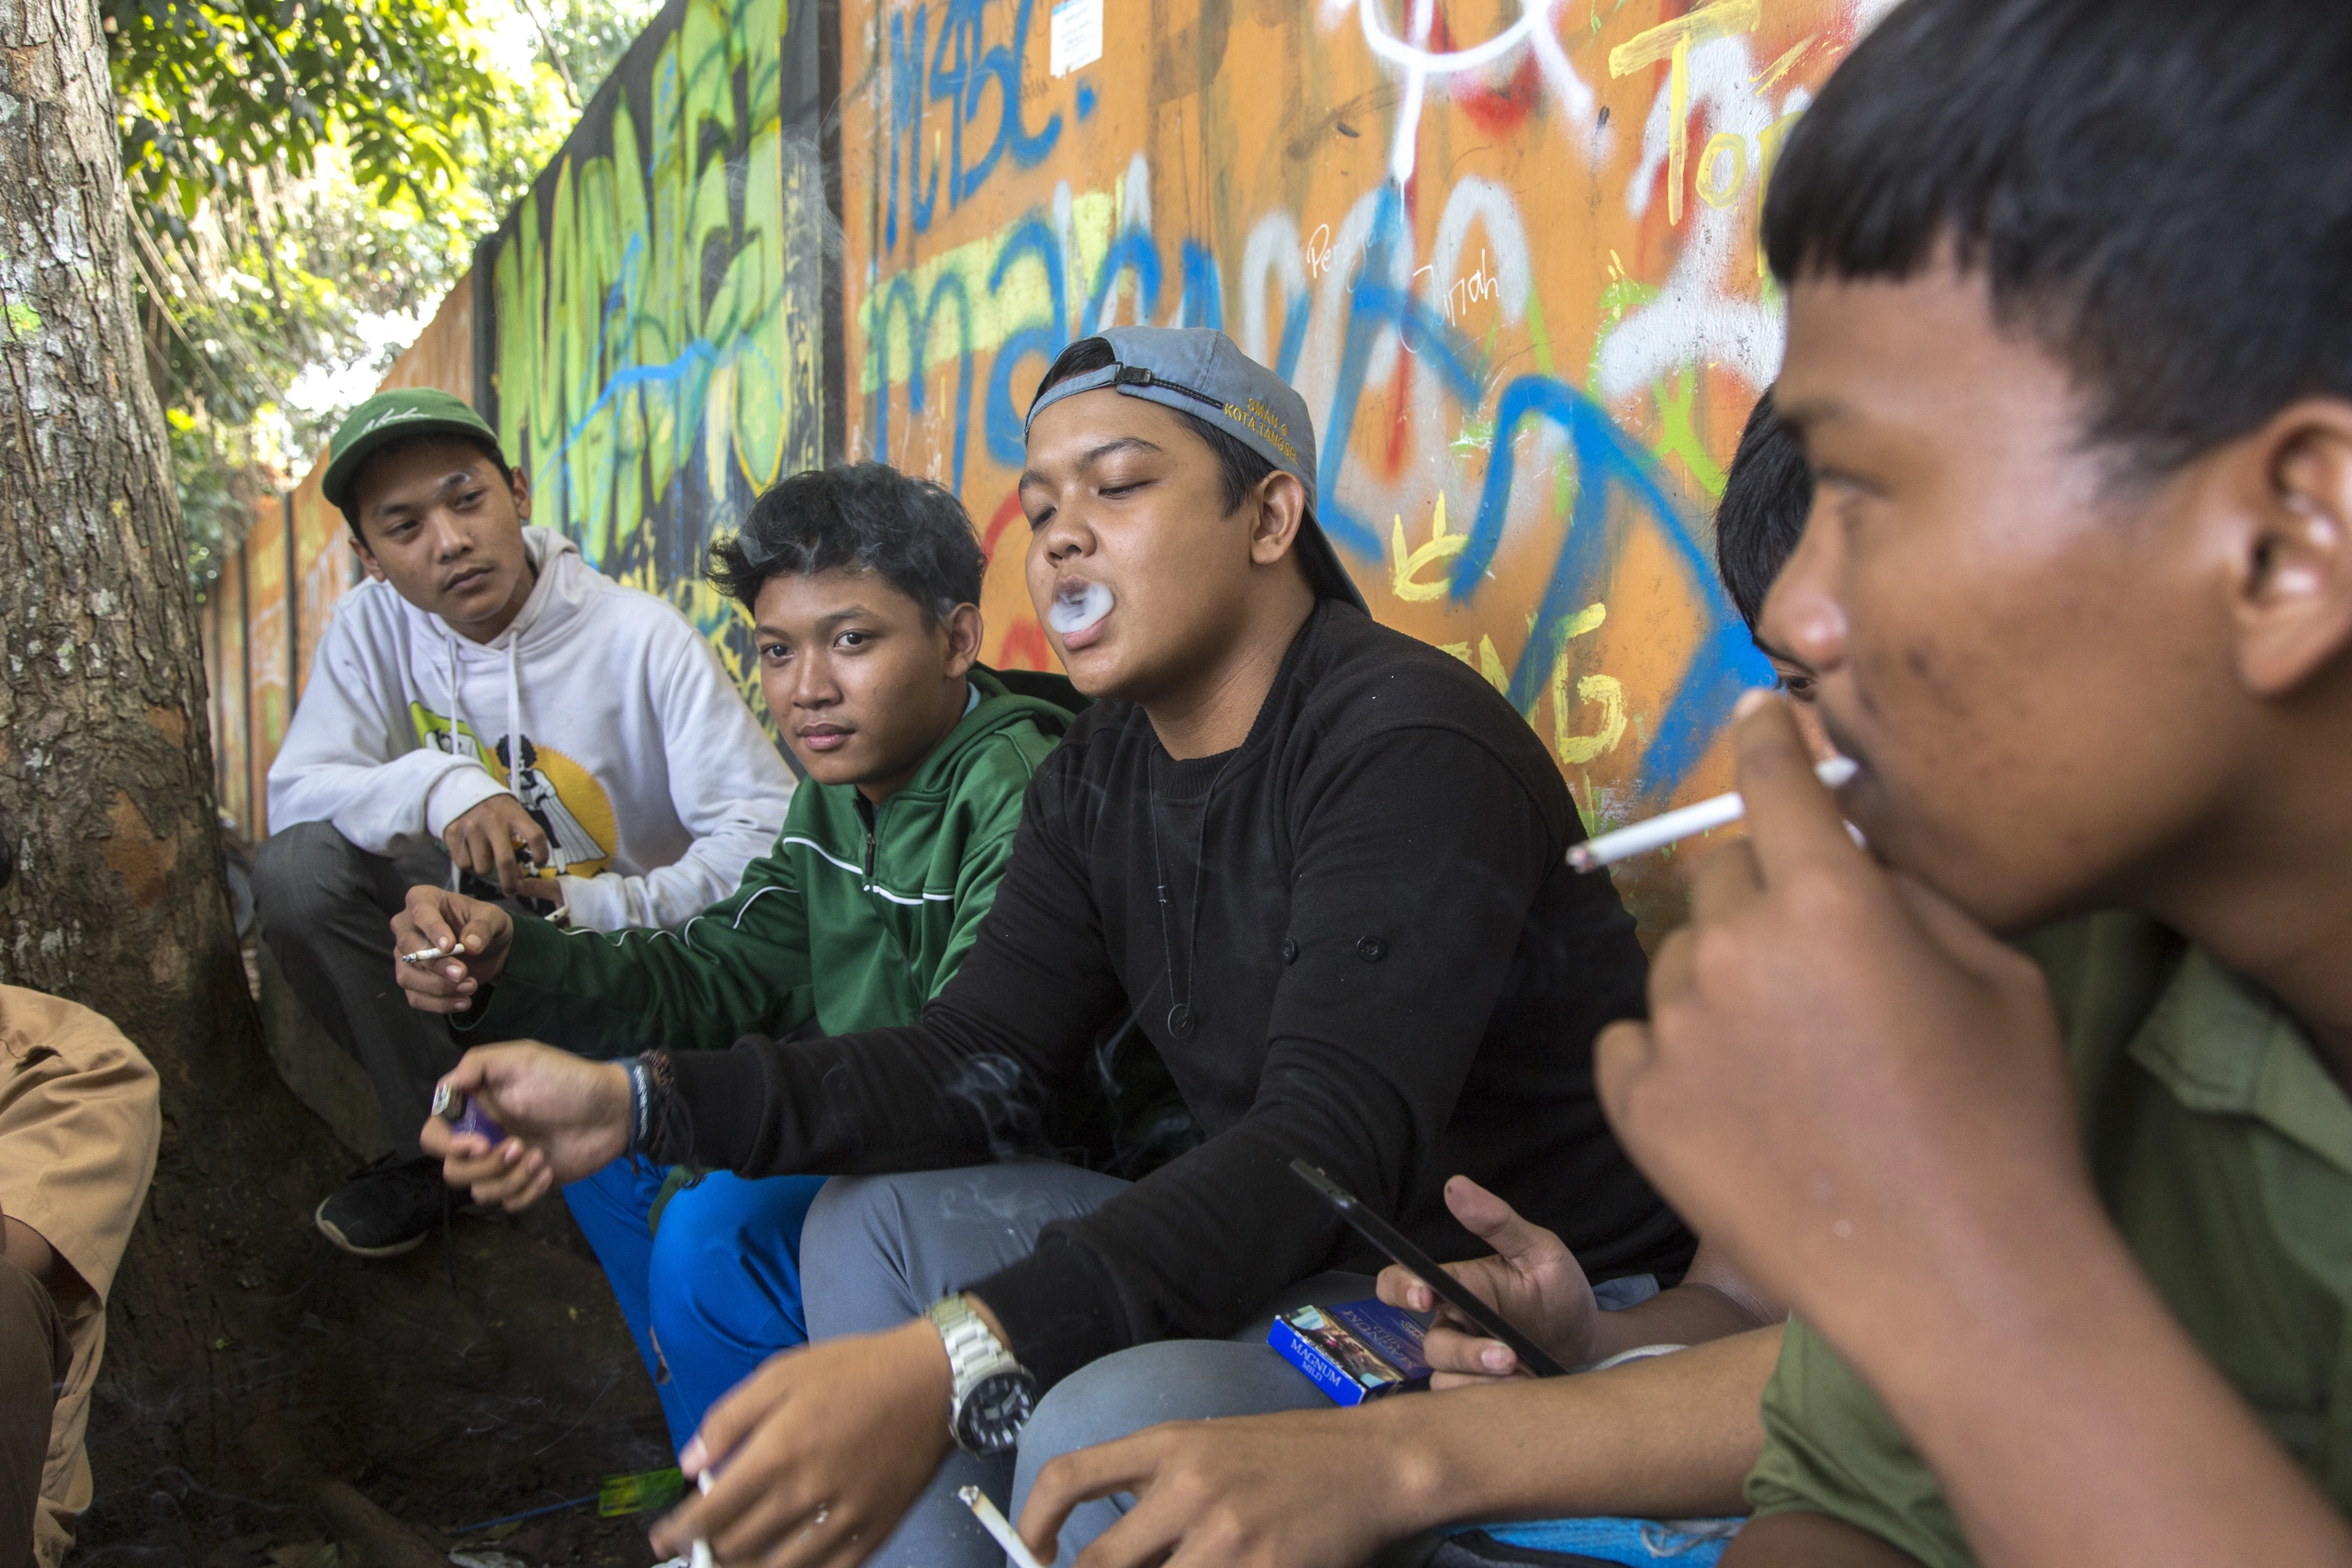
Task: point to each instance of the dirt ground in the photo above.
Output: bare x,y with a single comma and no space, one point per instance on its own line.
486,1373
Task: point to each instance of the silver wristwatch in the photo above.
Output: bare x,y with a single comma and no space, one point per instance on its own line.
992,1394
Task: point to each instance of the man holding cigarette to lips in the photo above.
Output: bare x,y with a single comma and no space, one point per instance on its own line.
486,704
1319,862
2065,1219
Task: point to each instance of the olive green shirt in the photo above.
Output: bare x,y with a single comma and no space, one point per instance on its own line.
2223,1152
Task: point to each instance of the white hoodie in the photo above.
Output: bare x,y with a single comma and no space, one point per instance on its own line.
654,781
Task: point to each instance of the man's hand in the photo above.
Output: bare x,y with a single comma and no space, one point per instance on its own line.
1300,1490
1846,1082
473,933
483,840
818,1453
564,1117
1532,1280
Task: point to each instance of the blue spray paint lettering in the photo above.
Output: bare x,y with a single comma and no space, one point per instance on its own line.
1002,425
1377,305
1607,460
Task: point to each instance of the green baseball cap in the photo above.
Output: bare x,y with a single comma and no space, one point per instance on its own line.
394,416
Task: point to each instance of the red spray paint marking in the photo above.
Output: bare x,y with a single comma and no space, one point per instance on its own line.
1007,510
1498,111
1025,648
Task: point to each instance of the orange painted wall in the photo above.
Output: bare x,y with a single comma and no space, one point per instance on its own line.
1505,248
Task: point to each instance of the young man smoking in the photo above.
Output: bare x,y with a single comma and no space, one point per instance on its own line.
2067,1231
488,704
1320,862
1607,1456
864,585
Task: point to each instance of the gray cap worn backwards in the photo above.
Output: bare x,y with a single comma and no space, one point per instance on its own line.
1200,371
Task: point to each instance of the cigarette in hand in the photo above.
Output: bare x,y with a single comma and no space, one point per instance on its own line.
996,1525
1660,832
701,1552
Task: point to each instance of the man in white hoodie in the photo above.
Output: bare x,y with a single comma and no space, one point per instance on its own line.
487,706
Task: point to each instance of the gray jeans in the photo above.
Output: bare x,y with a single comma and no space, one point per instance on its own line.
326,907
878,1250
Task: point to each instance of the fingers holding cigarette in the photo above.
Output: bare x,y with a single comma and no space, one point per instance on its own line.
1721,811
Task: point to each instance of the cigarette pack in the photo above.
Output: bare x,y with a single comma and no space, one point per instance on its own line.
1355,1351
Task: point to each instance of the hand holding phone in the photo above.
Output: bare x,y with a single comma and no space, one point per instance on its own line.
1400,1250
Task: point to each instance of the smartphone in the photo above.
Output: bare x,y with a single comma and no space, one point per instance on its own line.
1419,1264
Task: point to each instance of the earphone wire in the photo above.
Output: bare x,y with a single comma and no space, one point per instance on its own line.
1182,1004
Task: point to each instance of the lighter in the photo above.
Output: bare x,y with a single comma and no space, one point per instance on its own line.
463,1114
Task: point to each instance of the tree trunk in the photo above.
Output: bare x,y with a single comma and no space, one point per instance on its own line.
246,1360
106,765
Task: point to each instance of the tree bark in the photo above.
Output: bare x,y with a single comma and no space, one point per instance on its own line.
247,1361
106,765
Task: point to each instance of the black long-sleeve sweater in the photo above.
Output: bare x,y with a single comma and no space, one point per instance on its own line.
1395,976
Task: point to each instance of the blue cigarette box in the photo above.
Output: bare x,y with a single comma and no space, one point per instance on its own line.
1355,1351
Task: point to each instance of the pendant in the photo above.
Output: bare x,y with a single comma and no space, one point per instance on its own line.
1182,1020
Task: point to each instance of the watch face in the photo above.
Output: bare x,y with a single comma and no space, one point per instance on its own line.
989,1418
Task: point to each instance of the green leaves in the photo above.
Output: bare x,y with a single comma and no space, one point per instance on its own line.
304,172
213,92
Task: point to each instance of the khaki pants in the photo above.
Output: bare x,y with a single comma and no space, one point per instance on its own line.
78,1130
34,1360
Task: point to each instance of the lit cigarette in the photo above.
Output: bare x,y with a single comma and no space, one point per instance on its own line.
423,955
994,1522
701,1552
1660,832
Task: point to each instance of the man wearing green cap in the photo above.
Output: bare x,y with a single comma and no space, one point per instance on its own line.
485,706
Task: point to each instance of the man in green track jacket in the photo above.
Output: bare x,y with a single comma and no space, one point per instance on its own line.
864,584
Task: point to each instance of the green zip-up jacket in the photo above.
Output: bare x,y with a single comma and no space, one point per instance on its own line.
854,921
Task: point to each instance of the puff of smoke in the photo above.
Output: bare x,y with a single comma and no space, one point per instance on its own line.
992,1085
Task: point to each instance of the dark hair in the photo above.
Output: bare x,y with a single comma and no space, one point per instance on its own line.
403,444
864,516
1239,467
2157,192
7,853
1761,515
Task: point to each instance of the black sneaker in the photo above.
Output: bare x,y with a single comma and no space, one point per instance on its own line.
386,1208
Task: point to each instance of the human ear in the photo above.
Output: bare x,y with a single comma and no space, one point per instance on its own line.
965,629
367,557
2292,583
519,487
1281,504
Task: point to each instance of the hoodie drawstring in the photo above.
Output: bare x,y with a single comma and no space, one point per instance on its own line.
456,722
514,718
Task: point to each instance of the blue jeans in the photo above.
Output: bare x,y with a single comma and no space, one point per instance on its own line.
712,1293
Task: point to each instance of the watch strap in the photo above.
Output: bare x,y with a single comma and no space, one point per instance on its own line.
973,1350
975,1357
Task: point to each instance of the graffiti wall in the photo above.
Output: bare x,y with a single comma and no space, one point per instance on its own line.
653,327
1506,248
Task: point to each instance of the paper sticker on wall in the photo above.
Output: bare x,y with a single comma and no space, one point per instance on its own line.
1077,35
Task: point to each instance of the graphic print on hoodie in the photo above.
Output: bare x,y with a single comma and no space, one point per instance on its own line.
638,756
562,797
